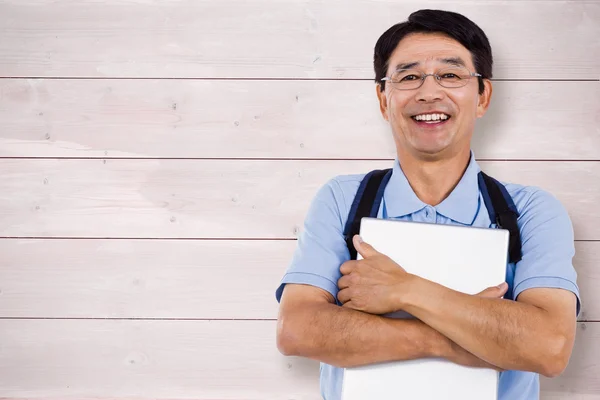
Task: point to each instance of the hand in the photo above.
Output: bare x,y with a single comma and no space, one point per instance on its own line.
494,292
372,284
459,355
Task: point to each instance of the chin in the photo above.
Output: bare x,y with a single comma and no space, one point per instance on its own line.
426,147
431,148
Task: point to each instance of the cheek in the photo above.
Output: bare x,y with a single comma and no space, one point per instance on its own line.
467,105
396,105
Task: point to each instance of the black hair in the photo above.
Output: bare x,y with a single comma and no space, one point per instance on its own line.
451,24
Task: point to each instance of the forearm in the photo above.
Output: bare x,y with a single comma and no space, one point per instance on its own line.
505,333
347,338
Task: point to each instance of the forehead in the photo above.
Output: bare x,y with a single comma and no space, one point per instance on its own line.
426,49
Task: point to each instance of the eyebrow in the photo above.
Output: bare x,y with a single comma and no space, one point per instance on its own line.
457,61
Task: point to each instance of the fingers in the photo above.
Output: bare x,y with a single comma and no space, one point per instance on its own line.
344,282
494,292
363,248
348,267
349,304
343,296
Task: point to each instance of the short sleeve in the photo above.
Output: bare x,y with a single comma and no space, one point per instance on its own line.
548,247
321,248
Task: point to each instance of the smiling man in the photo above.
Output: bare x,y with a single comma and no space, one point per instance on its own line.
433,82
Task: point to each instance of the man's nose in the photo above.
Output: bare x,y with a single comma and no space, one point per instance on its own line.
429,91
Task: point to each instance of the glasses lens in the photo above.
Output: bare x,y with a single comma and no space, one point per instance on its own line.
453,77
450,77
407,79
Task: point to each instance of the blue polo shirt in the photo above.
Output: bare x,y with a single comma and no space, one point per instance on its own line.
546,235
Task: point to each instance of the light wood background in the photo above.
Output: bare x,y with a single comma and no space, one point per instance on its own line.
157,159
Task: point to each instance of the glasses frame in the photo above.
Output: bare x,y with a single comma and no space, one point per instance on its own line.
436,76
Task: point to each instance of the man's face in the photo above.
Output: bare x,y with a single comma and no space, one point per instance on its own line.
463,105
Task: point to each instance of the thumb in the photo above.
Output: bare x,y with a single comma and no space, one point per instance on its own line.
363,248
494,292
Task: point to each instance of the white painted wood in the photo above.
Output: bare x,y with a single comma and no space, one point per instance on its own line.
265,38
150,359
569,395
220,198
235,279
273,119
192,360
172,278
142,279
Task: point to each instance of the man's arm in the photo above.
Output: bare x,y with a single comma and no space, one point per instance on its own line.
311,325
535,333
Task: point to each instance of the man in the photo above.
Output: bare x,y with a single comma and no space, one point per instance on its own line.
433,81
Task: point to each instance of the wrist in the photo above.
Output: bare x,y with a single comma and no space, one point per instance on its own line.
426,341
406,292
442,347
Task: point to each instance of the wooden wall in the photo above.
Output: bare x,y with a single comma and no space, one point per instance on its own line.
157,159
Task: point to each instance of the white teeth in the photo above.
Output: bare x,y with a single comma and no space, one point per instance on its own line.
431,117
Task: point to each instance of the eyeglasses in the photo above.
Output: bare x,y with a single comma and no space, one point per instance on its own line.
451,77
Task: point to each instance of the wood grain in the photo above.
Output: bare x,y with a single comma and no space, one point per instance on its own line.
221,198
150,359
273,119
277,39
174,279
124,119
142,279
193,359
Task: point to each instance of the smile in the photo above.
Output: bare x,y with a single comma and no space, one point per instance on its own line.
431,118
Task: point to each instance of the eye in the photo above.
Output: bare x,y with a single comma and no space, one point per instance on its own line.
410,78
450,75
406,76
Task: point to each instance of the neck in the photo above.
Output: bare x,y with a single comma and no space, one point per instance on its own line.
433,180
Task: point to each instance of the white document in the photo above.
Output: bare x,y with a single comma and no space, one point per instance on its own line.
466,259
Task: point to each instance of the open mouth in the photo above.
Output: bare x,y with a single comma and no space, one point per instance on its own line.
431,119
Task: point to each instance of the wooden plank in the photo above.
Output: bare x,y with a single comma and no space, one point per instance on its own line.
142,279
560,395
192,359
185,279
284,39
220,198
273,119
150,359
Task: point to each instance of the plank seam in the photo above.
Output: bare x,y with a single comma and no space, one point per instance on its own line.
178,238
168,319
140,238
275,159
134,319
283,79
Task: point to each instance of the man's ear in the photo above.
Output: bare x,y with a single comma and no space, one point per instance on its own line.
383,106
484,99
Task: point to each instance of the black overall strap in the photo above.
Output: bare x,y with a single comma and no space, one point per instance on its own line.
498,202
365,204
502,211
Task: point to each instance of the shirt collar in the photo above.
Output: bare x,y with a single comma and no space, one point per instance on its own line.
461,205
